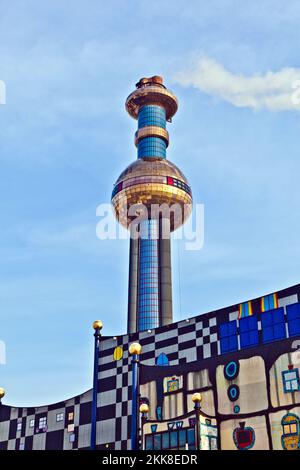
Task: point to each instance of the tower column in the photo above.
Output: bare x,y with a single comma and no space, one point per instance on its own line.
165,276
133,285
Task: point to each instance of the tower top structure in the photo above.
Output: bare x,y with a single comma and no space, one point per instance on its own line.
151,91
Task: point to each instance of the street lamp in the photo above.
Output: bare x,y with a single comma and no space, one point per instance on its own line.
97,326
197,399
135,350
2,393
144,410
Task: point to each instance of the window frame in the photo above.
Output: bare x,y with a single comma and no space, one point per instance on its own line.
59,417
285,381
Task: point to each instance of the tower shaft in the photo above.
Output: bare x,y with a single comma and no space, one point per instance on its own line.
150,280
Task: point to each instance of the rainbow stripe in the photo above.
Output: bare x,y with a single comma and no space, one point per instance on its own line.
245,310
268,302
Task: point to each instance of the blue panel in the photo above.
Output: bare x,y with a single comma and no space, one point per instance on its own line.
148,296
294,327
165,440
249,338
152,147
293,311
149,443
229,344
273,325
173,439
162,360
228,336
279,331
248,331
157,441
248,323
228,329
182,438
152,115
293,315
191,438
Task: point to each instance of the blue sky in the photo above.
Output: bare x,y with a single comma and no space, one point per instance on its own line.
65,137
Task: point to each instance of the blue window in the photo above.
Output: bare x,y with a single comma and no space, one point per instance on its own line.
149,443
174,439
273,325
293,316
165,440
248,331
157,442
228,337
162,360
191,438
290,379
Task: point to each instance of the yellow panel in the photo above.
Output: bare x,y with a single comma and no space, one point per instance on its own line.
118,353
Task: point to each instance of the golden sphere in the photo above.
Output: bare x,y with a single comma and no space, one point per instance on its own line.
144,408
135,348
151,182
98,325
2,392
197,398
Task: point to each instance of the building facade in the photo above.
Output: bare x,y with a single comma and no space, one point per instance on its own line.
243,359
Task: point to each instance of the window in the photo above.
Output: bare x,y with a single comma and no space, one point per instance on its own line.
71,427
22,446
231,370
290,429
59,417
273,325
248,331
290,379
19,426
165,440
228,337
162,360
149,443
268,302
42,422
293,316
70,416
157,441
31,423
175,439
72,438
191,439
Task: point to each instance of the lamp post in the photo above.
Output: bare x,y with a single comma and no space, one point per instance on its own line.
135,350
144,410
2,394
97,326
196,399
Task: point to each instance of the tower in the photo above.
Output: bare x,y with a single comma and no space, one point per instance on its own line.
151,198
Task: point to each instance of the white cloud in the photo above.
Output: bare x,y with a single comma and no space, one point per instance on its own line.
275,91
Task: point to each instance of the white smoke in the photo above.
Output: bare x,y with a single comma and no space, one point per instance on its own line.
275,91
